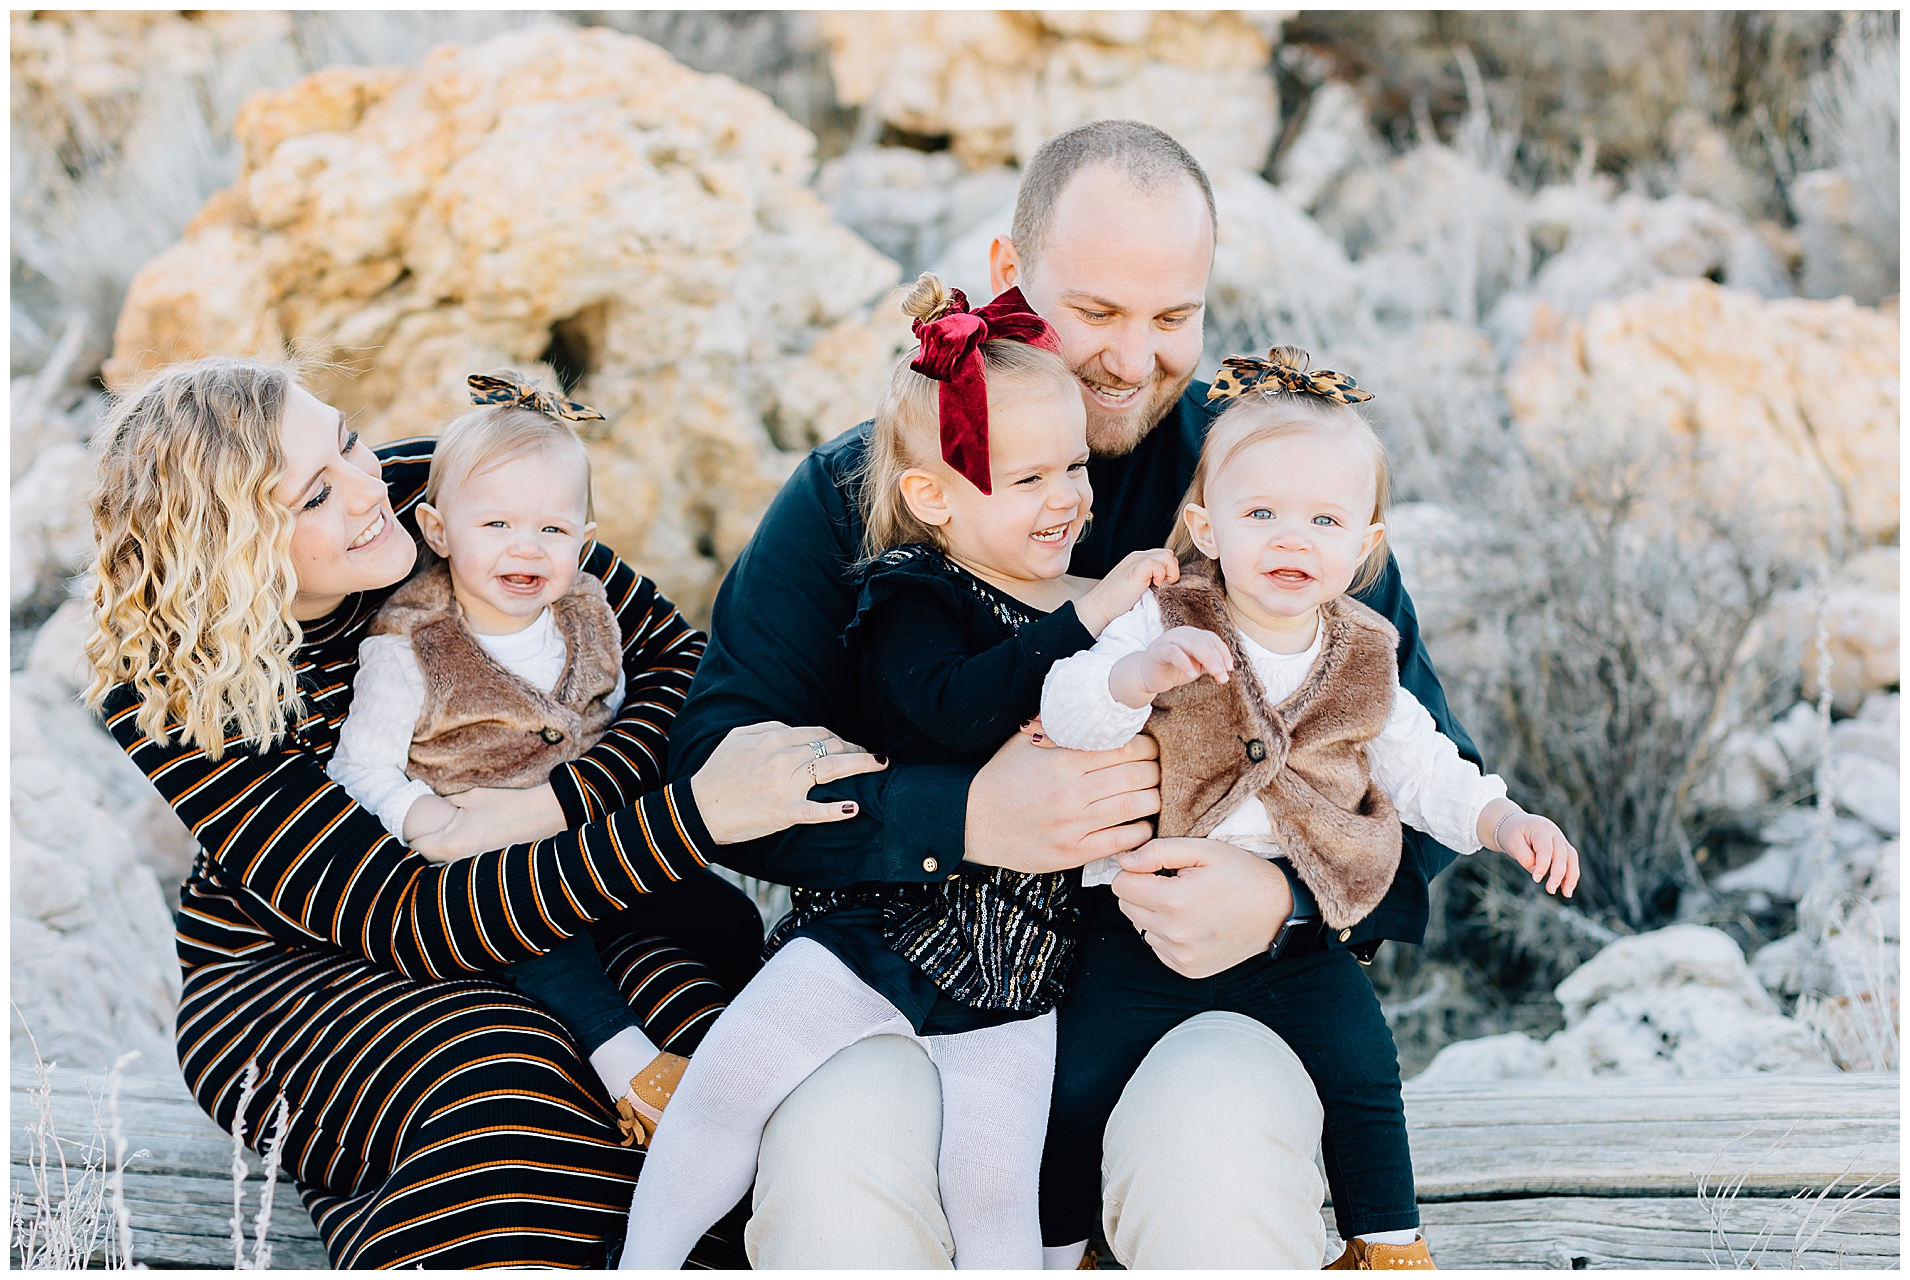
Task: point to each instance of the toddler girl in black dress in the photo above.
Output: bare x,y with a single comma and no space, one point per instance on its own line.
975,493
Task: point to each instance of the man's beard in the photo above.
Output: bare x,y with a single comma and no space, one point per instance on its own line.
1111,435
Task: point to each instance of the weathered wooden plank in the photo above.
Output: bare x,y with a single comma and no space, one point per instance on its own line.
1576,1233
1630,1137
181,1221
1504,1171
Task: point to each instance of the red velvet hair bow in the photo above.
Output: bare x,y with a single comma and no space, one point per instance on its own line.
951,354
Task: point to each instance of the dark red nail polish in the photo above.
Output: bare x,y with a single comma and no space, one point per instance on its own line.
881,759
848,808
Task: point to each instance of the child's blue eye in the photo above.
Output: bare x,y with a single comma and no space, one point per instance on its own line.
495,524
1327,520
1260,513
551,528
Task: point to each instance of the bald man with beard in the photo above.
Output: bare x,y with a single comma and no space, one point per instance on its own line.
1208,1157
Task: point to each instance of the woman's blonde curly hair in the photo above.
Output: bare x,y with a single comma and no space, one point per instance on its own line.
193,578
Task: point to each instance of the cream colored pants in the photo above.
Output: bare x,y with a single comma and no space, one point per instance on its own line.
1207,1161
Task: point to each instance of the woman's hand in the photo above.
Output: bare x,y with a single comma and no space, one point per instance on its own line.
757,781
493,818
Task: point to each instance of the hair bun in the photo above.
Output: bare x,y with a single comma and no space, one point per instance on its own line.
1290,357
928,298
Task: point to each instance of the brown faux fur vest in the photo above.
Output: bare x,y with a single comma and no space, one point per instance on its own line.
482,726
1223,743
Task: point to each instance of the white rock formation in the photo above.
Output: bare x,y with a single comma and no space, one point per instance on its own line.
1334,141
50,535
90,942
1679,1001
912,204
1512,1056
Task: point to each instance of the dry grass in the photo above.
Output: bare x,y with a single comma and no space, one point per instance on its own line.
1807,1215
76,1215
260,1257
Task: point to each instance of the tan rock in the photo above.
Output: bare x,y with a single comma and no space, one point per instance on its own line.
1791,404
415,226
998,83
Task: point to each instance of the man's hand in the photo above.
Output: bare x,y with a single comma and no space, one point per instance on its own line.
1031,809
1223,904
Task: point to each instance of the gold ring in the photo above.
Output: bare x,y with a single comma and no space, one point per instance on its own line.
813,780
820,748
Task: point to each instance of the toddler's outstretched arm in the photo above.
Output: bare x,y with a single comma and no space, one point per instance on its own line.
1532,841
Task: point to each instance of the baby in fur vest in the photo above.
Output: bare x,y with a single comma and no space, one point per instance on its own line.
1283,729
492,666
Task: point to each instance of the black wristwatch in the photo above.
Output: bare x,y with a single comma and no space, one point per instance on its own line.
1304,916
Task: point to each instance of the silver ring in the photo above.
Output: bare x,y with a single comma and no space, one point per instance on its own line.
820,748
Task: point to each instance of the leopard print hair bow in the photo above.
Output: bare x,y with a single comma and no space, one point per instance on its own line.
1284,369
486,389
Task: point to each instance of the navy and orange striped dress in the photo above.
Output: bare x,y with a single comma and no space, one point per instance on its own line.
440,1118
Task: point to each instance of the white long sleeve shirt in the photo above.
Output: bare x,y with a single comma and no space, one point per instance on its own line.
1433,787
374,743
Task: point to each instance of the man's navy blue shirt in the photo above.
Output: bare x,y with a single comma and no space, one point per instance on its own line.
776,653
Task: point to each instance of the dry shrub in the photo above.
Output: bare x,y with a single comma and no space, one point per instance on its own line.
1631,609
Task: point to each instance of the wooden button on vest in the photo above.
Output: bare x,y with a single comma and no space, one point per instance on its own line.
1345,934
551,735
929,864
1256,751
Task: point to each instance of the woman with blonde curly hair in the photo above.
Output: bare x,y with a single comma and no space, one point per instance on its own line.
437,1116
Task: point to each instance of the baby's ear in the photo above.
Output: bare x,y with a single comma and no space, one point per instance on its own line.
1374,532
431,528
1201,530
924,496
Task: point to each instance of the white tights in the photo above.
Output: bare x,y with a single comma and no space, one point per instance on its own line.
794,1016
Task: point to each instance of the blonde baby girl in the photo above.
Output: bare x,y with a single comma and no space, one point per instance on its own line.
1283,728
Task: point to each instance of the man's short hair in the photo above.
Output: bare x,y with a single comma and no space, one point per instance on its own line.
1145,156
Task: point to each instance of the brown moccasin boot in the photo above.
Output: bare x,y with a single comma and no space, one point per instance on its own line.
639,1110
1361,1256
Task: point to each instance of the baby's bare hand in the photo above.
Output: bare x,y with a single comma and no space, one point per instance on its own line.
1122,589
1184,655
1537,844
457,839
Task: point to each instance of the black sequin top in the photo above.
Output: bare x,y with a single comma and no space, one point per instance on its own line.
955,668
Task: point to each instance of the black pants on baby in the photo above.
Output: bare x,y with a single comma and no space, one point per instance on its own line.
702,913
1122,1000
